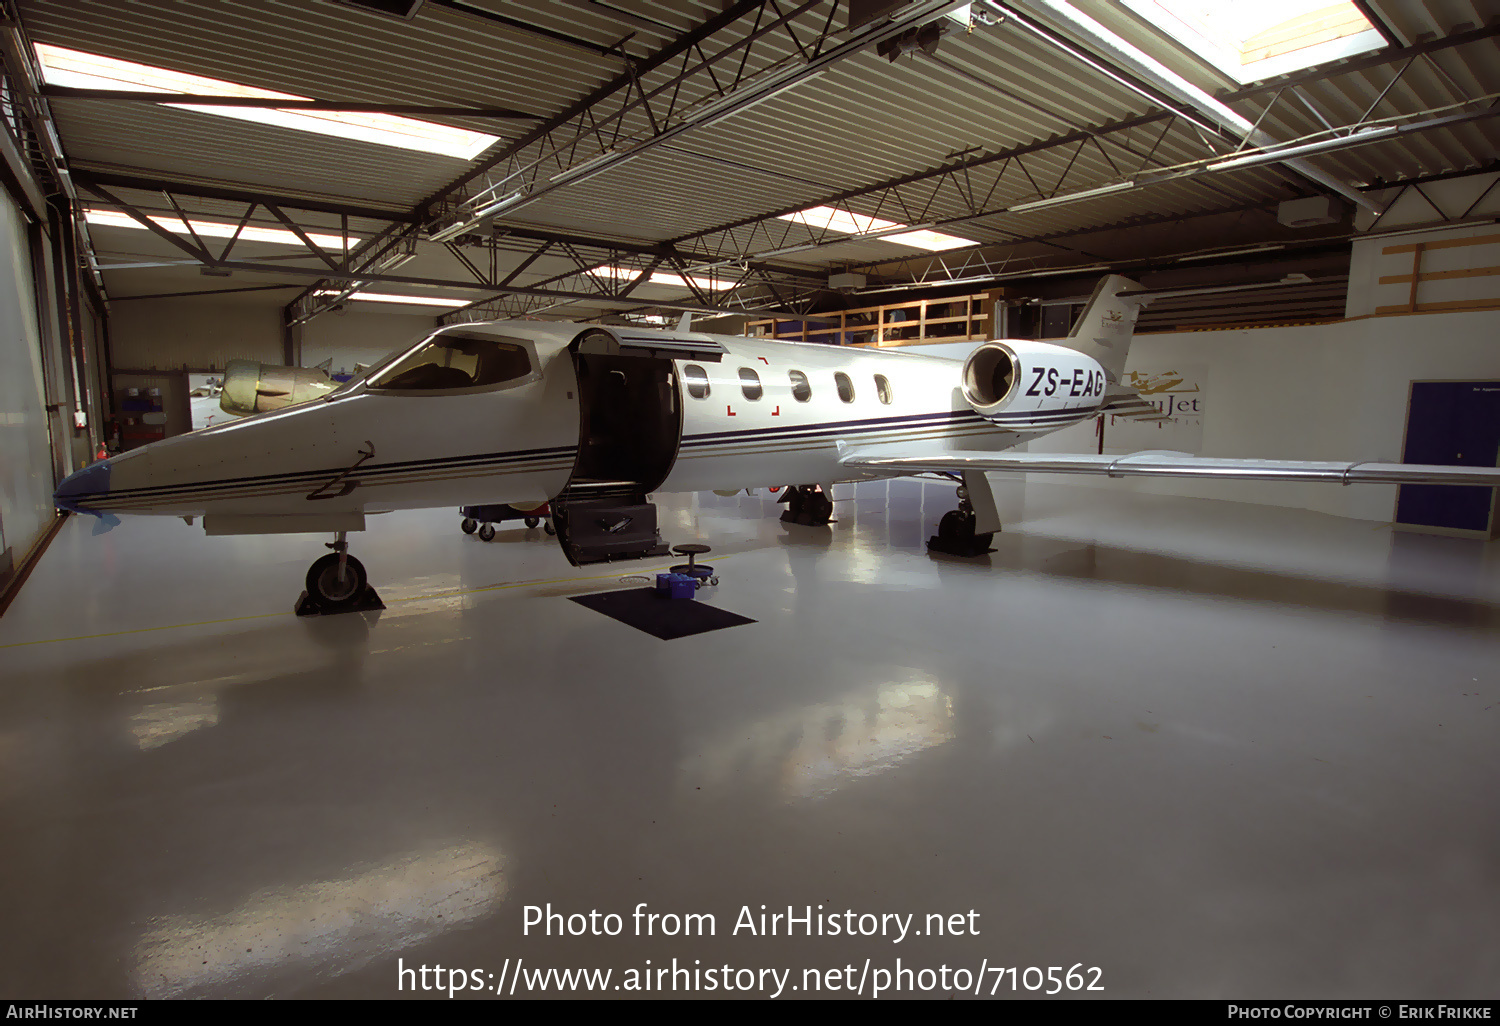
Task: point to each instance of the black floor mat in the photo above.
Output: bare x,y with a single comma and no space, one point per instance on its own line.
658,616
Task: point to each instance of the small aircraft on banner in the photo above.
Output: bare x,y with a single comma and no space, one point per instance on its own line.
594,419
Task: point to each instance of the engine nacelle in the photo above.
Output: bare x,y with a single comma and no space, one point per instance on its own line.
251,387
1006,381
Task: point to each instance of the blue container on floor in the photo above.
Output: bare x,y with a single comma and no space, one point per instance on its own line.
677,586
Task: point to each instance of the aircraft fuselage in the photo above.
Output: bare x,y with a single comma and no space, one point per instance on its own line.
766,413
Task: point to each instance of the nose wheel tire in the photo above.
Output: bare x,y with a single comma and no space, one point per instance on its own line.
486,532
327,587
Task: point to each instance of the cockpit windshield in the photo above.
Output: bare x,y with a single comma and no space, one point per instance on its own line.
449,361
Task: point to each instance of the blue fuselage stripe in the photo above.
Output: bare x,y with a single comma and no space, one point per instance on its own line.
963,420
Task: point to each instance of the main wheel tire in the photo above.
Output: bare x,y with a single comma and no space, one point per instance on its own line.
819,508
549,528
468,525
533,521
324,585
486,532
956,526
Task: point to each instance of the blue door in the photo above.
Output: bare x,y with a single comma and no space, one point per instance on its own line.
1450,423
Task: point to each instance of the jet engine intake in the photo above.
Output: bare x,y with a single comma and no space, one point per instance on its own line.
1006,380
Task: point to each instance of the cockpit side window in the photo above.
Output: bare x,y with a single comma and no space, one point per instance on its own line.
456,361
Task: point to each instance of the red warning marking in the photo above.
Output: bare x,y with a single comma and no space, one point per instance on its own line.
763,360
731,411
776,412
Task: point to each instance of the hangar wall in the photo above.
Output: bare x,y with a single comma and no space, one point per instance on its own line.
25,446
359,336
168,334
1455,268
1313,392
203,333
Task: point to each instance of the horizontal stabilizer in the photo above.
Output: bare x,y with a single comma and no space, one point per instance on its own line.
1132,406
1148,464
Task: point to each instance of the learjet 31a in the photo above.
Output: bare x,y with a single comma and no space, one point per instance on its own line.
593,419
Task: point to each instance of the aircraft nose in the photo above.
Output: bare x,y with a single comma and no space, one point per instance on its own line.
81,487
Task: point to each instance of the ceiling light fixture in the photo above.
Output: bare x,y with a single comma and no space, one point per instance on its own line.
1230,252
663,278
595,165
1338,142
1053,201
390,297
477,218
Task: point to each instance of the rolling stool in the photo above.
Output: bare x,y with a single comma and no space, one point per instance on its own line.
699,572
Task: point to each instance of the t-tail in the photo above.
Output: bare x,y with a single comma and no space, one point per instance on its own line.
1107,323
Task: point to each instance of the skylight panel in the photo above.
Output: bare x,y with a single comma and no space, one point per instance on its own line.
825,218
663,278
214,229
62,67
933,242
834,219
1254,41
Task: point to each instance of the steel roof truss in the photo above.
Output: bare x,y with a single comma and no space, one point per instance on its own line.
296,230
198,252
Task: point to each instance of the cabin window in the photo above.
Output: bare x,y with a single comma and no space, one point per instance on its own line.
696,379
801,387
448,362
883,388
845,386
750,384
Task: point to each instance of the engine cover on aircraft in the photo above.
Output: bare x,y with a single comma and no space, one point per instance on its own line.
1014,379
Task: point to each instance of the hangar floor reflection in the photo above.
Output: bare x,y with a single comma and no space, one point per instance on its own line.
1214,749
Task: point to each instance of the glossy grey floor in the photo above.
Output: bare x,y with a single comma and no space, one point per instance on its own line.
1210,749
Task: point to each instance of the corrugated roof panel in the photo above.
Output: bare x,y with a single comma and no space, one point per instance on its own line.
865,122
180,142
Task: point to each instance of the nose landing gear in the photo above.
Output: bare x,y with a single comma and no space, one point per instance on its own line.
337,583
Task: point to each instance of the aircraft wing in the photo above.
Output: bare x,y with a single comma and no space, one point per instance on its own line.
1165,464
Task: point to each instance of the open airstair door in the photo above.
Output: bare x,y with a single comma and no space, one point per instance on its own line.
630,411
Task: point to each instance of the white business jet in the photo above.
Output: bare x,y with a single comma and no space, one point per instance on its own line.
594,419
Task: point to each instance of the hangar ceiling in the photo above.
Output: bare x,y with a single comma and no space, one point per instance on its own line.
654,154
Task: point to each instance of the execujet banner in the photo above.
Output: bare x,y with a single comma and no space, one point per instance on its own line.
1177,393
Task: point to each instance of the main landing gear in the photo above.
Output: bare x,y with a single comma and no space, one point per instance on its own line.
337,583
807,504
956,535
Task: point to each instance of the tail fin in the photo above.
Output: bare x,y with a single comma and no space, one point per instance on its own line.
1105,327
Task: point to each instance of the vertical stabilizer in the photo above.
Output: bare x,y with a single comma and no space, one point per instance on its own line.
1105,327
